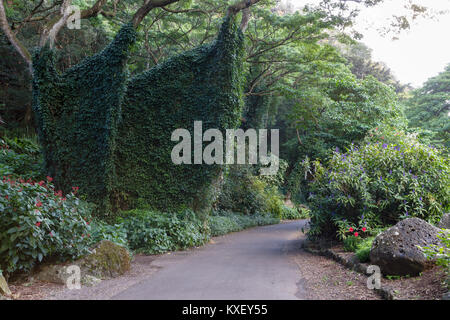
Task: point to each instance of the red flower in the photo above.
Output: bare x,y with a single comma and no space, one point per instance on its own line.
6,197
351,229
41,183
364,229
38,224
75,189
356,234
38,204
49,179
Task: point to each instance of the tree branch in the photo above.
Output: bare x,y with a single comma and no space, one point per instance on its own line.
20,48
147,7
236,8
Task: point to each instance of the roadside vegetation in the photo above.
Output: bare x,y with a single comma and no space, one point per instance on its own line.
86,123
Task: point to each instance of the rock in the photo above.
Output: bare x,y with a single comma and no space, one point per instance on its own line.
54,273
4,289
446,296
90,281
395,250
445,221
106,260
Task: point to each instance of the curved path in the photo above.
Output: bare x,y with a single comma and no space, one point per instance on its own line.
255,264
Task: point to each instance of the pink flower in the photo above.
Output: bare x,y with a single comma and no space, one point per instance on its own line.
364,229
38,224
351,229
38,204
356,234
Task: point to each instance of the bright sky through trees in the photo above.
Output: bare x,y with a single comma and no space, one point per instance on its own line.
418,54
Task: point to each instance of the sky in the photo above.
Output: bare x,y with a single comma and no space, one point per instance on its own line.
418,54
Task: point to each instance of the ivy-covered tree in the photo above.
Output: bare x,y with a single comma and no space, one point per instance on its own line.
79,112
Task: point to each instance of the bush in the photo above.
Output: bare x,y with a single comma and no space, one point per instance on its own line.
154,232
295,213
20,158
221,222
363,250
246,192
378,184
441,253
101,230
39,223
360,246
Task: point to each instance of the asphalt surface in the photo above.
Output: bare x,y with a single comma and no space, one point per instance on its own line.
254,264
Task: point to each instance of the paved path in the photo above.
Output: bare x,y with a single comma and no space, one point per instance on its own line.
255,264
252,264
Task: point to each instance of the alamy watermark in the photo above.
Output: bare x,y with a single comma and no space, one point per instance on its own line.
213,153
73,281
374,280
74,20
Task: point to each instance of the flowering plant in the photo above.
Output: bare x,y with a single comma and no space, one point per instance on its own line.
377,184
39,223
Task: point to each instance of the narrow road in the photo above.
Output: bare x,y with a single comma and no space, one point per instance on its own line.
252,264
255,264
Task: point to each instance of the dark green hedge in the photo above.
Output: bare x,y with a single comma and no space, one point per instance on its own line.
203,84
82,117
77,114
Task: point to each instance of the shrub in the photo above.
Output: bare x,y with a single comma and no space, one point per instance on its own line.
441,254
300,212
101,230
246,192
360,246
363,250
154,232
377,184
19,158
241,192
221,222
39,223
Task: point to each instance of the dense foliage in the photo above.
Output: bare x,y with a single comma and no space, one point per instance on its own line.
20,158
39,223
204,84
441,253
429,109
155,232
222,222
389,177
77,116
300,212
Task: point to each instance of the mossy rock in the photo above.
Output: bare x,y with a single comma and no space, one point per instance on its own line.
107,260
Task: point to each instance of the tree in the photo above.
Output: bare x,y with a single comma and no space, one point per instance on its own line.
429,109
80,114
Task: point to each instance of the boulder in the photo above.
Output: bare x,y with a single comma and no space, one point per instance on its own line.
396,250
90,281
445,221
106,260
54,273
4,289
